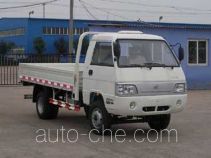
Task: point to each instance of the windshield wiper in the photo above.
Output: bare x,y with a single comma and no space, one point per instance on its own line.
136,65
150,65
147,65
139,65
154,64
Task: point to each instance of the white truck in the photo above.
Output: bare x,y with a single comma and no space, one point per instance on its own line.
127,77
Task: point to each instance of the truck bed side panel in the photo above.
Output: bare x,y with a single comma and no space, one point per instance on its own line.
50,74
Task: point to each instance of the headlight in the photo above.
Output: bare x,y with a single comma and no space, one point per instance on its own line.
126,90
180,88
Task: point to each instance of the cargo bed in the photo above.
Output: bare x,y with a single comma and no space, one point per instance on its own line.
57,75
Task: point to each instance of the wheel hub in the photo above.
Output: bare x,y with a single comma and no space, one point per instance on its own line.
97,120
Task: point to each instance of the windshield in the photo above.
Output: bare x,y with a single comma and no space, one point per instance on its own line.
138,53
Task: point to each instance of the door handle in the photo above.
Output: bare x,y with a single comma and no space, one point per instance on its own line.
90,72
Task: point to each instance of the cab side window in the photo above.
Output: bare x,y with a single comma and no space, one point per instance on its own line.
102,54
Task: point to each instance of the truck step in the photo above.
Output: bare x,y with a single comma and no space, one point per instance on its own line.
62,104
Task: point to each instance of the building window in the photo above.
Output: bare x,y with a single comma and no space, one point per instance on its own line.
86,29
53,30
62,30
12,32
81,30
49,31
66,31
57,30
198,52
44,30
77,31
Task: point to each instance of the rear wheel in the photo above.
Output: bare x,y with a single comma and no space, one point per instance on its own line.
159,122
44,109
99,118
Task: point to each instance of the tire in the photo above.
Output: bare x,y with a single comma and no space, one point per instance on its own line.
159,122
100,119
44,109
86,110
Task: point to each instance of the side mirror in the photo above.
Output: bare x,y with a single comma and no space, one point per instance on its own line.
116,49
181,53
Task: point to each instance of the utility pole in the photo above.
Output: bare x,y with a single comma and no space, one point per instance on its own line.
43,10
71,28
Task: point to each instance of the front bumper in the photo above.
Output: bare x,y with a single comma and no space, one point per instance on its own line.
147,105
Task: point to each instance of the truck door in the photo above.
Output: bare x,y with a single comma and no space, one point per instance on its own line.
100,73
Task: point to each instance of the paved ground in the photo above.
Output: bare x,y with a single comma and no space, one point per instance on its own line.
19,124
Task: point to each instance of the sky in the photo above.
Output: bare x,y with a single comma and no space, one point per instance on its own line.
174,11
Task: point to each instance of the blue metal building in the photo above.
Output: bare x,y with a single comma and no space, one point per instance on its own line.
194,38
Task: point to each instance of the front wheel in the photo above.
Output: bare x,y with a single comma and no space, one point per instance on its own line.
159,122
100,119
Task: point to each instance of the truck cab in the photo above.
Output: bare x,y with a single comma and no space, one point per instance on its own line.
131,74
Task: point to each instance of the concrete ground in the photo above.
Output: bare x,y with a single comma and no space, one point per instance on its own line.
20,129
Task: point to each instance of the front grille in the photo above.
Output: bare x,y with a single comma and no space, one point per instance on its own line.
162,108
155,88
149,109
153,108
